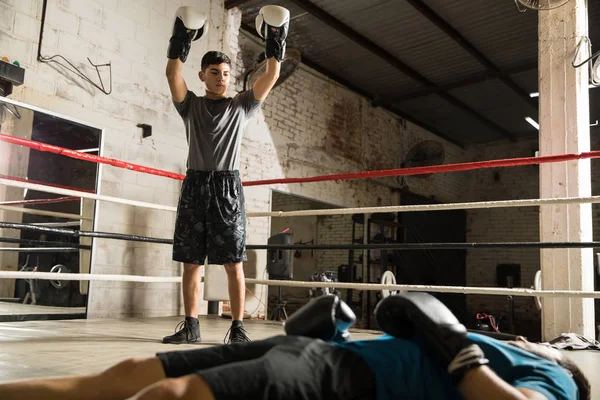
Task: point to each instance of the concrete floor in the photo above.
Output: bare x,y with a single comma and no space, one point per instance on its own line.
33,349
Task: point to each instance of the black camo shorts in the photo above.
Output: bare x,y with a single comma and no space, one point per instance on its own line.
279,368
211,219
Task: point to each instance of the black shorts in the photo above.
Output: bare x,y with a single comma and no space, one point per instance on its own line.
211,219
282,367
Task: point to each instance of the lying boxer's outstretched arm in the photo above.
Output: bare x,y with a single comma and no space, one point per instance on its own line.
482,383
189,387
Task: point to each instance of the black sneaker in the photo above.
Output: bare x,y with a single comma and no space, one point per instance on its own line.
236,335
187,331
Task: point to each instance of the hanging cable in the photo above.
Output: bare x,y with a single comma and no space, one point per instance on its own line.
70,67
594,75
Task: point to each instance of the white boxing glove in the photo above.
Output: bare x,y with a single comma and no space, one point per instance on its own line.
272,24
189,25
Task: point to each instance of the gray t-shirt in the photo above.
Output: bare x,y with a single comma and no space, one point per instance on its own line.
214,129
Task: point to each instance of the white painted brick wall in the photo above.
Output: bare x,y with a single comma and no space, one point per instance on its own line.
133,36
308,126
285,202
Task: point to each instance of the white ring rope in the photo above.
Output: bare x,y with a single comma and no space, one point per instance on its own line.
111,199
35,211
430,288
338,285
87,277
335,211
431,207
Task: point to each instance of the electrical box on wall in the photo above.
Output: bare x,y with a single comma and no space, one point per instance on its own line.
10,74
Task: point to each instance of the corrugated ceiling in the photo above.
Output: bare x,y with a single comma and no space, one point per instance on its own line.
453,92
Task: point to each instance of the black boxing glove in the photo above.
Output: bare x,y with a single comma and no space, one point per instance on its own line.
327,318
423,315
272,24
189,25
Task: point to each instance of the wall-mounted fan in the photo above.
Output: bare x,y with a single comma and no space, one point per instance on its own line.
542,4
290,64
424,154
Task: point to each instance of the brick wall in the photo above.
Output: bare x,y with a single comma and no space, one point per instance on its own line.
334,229
503,225
511,224
284,202
133,36
307,126
493,225
311,127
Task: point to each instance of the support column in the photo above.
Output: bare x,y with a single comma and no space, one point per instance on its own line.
564,128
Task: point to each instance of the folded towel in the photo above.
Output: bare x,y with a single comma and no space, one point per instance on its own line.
573,341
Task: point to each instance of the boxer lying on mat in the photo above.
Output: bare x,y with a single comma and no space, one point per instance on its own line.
425,354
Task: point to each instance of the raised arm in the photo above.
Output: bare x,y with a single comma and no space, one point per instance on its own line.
176,82
272,23
267,80
189,25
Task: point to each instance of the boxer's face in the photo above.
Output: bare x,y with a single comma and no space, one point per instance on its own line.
543,350
216,79
550,353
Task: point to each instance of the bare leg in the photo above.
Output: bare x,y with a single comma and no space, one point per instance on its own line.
118,382
189,387
190,287
236,284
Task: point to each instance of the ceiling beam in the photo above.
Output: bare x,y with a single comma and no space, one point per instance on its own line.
455,35
394,110
472,80
229,4
369,45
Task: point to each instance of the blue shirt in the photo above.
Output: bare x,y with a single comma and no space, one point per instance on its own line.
403,370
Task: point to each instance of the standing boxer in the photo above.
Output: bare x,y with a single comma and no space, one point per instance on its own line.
211,220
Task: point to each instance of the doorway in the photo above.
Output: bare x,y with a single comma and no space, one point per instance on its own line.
433,267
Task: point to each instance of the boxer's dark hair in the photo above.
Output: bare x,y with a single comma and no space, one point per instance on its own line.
580,380
214,58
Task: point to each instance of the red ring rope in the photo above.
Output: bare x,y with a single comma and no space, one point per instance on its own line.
87,157
512,162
